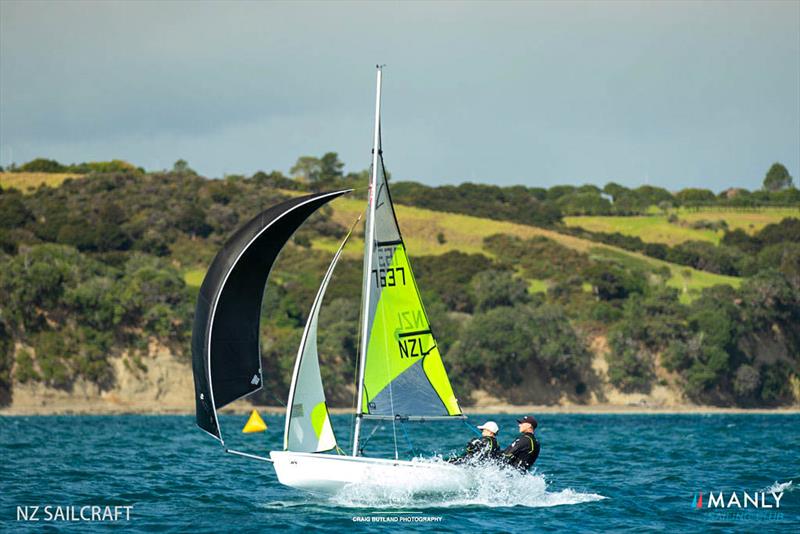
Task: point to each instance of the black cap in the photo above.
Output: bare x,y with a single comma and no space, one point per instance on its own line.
529,419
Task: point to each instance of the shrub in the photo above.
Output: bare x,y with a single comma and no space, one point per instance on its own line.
629,367
503,343
775,386
449,275
605,312
24,371
52,348
42,165
498,288
746,382
612,282
13,212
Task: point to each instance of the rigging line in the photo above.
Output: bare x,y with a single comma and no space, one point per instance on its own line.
358,355
408,439
279,400
364,443
471,427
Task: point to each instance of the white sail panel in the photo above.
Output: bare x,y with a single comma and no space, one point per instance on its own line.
308,424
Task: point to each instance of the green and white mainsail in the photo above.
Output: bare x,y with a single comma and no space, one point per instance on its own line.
308,424
402,373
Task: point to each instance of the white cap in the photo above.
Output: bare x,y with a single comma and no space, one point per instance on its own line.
491,426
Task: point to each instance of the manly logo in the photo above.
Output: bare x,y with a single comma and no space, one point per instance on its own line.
733,499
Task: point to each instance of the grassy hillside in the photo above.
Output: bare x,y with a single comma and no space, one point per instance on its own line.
98,268
30,181
429,232
657,229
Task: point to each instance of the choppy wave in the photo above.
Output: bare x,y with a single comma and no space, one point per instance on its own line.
647,466
486,485
778,487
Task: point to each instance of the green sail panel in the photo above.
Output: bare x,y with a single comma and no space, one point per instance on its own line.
404,374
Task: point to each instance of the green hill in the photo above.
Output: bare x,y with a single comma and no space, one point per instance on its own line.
421,228
430,232
96,273
688,227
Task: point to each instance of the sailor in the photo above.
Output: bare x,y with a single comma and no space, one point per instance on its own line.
482,448
524,450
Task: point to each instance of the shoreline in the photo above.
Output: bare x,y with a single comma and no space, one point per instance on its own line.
502,409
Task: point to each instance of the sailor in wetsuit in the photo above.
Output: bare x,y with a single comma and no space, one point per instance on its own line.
524,450
482,448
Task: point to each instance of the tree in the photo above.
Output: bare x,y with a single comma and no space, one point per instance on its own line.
498,288
330,167
505,343
630,368
777,178
306,169
448,274
42,165
611,281
747,381
192,220
649,195
13,212
6,361
584,203
786,230
695,197
615,190
182,167
319,173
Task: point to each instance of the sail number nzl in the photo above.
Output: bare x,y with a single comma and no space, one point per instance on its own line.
410,344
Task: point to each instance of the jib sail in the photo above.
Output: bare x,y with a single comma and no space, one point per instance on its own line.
308,422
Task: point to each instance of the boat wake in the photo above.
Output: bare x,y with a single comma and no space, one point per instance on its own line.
778,487
486,485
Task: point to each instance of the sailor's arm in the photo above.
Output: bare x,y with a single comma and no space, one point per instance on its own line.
516,446
473,446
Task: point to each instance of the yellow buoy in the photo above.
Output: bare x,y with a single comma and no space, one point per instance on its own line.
254,424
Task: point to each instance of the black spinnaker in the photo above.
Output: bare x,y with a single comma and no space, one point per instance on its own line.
226,355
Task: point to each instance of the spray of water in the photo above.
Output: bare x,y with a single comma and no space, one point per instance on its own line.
778,487
479,485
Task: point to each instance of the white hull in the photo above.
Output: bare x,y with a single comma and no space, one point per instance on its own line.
329,473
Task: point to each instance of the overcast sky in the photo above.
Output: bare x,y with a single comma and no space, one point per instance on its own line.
676,94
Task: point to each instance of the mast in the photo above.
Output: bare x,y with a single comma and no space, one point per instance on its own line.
369,250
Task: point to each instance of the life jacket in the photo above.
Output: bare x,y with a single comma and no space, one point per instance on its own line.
519,455
482,448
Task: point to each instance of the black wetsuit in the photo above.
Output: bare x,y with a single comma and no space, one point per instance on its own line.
479,449
522,453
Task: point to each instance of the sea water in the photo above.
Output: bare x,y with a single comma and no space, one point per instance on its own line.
595,473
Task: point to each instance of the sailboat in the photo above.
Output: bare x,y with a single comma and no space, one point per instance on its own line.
401,375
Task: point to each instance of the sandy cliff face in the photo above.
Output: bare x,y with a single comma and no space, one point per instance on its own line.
591,389
165,386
